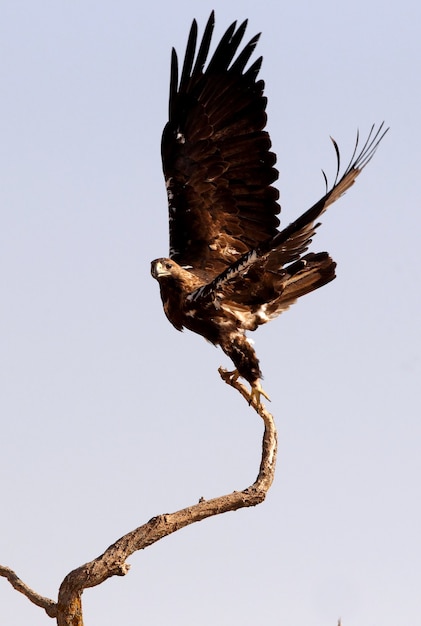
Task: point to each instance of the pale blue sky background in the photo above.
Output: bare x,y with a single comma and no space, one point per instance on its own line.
109,416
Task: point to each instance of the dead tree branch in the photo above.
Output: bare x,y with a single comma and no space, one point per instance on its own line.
45,603
68,609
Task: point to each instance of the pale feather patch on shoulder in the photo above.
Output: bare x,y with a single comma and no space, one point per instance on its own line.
180,136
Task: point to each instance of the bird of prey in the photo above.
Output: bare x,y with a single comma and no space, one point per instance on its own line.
230,268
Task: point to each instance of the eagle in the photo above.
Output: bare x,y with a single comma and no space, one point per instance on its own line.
230,268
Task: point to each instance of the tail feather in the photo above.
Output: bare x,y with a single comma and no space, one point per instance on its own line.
303,276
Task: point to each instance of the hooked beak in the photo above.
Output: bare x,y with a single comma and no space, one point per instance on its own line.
158,269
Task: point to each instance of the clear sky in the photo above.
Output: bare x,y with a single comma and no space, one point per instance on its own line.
109,416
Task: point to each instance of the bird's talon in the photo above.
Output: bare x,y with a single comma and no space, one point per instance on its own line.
256,392
229,377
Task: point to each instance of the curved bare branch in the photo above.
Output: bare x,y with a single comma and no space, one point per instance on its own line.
45,603
113,562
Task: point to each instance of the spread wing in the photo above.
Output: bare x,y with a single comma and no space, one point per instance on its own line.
261,274
216,156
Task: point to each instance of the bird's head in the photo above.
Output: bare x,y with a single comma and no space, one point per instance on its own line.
168,271
163,268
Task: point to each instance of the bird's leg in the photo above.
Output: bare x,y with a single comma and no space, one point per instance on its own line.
256,388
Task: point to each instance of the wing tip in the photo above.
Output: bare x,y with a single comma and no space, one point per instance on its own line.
360,158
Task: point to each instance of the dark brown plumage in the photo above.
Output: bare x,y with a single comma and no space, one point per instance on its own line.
230,269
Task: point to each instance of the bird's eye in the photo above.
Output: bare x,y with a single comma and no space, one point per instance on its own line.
168,266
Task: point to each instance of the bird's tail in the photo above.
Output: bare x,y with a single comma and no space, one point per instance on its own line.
305,275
